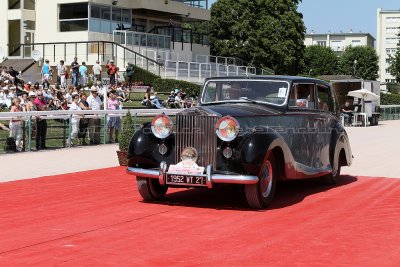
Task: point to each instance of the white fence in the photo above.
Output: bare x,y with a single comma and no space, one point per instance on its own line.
67,115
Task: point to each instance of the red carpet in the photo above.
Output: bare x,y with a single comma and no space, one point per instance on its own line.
97,218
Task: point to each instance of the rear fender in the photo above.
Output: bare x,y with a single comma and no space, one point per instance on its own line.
340,141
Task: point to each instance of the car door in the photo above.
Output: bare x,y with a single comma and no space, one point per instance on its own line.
300,130
325,123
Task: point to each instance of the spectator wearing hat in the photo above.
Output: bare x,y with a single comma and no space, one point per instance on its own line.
95,103
75,71
31,106
41,132
111,71
16,124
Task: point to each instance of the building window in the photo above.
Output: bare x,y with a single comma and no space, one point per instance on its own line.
392,19
387,71
321,43
388,60
392,30
106,19
390,51
29,4
73,17
355,42
337,46
392,40
14,4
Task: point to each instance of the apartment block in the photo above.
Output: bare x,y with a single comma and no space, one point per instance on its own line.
339,41
388,24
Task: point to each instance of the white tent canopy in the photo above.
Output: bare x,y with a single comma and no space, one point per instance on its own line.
364,94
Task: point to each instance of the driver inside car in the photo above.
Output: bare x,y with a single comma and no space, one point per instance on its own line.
233,93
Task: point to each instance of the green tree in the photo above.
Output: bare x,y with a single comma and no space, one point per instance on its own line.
265,33
320,60
360,61
394,67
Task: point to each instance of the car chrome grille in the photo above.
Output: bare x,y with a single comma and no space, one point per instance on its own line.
198,131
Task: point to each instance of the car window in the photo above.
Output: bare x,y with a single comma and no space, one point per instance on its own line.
302,96
324,98
269,91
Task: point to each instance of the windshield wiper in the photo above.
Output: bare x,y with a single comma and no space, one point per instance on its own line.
248,99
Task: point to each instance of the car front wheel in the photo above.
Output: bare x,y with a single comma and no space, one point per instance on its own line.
150,189
260,195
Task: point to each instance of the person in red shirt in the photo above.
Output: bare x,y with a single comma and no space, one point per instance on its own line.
111,71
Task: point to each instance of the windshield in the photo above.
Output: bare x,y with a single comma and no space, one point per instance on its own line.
269,91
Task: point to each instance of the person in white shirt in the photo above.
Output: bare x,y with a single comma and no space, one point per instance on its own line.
75,118
6,97
95,103
97,71
61,71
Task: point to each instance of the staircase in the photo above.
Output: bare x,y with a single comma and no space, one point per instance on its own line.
160,62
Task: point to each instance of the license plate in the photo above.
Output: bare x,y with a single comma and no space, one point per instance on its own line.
189,180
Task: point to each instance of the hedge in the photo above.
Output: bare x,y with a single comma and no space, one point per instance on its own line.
167,85
142,75
390,99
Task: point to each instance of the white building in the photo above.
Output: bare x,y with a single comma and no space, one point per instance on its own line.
148,33
388,22
49,21
339,41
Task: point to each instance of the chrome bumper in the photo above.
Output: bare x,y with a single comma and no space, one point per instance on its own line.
211,178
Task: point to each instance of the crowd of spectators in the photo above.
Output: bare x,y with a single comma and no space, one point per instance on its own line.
70,91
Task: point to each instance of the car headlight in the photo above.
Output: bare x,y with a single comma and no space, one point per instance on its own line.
161,126
227,128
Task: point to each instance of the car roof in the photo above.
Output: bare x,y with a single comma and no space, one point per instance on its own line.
270,77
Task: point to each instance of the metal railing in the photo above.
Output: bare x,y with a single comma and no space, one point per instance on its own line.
66,117
89,51
197,72
132,40
390,112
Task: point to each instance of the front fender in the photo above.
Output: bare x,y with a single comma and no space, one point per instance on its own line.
143,151
259,145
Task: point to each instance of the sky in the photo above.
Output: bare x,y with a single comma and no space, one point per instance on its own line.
322,16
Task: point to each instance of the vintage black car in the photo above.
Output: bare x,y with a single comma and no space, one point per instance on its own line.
249,131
